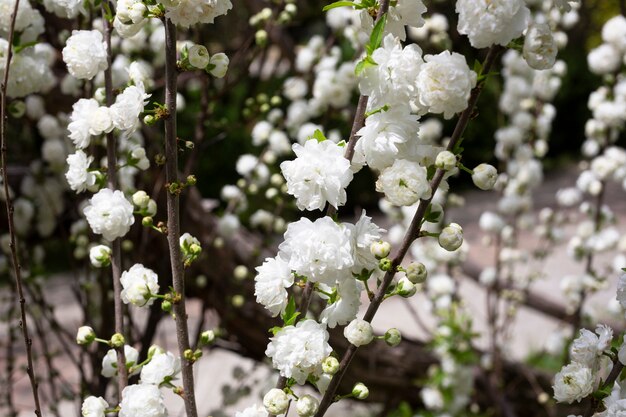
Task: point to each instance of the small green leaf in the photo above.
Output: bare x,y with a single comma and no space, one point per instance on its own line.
366,62
290,310
318,135
376,38
275,330
478,67
337,4
378,110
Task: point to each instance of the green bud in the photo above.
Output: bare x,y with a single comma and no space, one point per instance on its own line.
385,264
147,221
360,391
191,180
117,340
166,306
330,365
393,337
207,337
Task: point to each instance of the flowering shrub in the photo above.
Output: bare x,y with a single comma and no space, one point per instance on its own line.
139,103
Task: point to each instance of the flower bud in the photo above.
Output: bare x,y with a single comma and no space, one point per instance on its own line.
406,288
153,350
393,337
207,337
330,365
380,249
17,108
166,306
147,221
220,63
416,272
539,47
261,37
446,160
359,332
485,176
276,401
137,12
385,264
199,56
451,237
117,340
360,391
307,406
141,199
100,256
151,208
240,272
149,119
85,335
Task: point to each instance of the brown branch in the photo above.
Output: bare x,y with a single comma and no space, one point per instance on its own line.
116,245
9,207
411,234
173,218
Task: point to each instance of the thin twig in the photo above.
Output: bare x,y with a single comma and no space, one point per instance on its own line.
173,218
116,245
411,234
9,207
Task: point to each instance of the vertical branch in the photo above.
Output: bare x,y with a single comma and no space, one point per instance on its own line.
9,207
10,362
173,218
116,255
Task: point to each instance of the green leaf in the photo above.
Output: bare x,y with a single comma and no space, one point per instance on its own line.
624,269
366,62
290,310
376,38
275,330
478,67
318,135
337,4
378,110
430,172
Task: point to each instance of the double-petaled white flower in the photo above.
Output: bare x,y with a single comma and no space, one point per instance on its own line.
78,175
143,400
139,284
271,282
85,54
109,213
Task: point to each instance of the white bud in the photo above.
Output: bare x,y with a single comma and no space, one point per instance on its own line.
199,56
276,401
100,256
359,332
330,365
141,199
446,160
240,272
151,208
307,406
485,176
406,288
451,237
380,249
539,47
208,336
360,391
220,61
136,12
416,272
85,335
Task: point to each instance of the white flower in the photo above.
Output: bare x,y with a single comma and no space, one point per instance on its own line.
94,407
218,65
539,47
444,83
320,250
307,406
489,22
163,367
100,256
139,284
365,234
186,13
127,108
388,135
271,281
359,332
276,401
451,237
85,54
392,79
143,400
109,213
199,56
109,361
404,183
401,14
605,59
79,125
573,383
485,176
319,174
100,121
491,222
346,305
614,32
299,351
433,400
78,176
445,160
85,335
